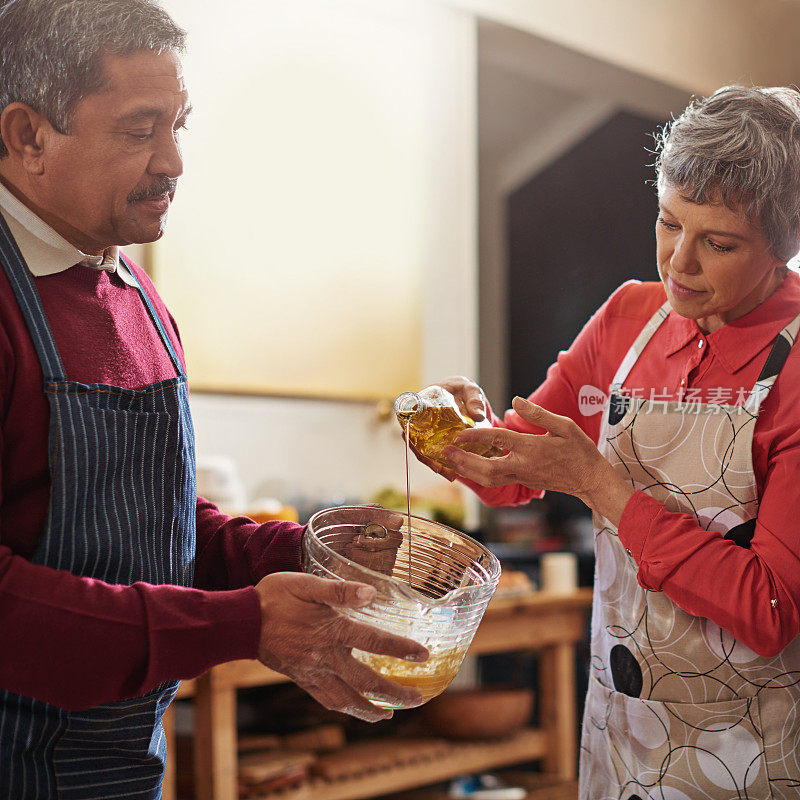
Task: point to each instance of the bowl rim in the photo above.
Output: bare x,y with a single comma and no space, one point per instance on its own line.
494,561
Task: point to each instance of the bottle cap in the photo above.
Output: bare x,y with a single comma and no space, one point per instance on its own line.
407,404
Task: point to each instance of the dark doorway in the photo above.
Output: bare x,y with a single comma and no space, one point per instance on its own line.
576,231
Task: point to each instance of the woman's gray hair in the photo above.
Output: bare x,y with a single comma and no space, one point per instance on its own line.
51,50
740,146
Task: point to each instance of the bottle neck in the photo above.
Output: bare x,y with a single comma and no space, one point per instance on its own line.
408,405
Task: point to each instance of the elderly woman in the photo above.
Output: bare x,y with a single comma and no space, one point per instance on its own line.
691,470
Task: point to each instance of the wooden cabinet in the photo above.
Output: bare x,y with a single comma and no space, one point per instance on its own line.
548,624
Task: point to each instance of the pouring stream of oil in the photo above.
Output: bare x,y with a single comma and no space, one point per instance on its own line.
408,505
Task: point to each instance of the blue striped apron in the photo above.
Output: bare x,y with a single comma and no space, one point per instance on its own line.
122,509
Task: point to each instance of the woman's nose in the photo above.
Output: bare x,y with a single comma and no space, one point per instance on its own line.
683,258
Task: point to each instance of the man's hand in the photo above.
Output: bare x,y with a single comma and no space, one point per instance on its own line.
305,638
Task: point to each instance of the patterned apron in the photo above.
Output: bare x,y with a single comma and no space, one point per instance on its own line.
677,709
122,509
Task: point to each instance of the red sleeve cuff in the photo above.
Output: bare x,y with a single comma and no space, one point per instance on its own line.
634,526
202,630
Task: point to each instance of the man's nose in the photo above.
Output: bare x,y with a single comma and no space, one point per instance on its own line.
167,159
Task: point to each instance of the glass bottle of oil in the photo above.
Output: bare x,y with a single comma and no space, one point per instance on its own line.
433,419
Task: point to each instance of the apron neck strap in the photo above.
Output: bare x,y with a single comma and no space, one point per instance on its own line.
156,321
632,356
772,366
21,280
19,276
781,346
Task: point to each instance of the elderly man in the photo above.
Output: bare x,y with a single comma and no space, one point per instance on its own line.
116,580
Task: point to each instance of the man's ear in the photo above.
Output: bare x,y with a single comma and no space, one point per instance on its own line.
24,133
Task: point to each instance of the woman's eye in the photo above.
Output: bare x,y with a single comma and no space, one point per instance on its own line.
719,248
141,137
670,226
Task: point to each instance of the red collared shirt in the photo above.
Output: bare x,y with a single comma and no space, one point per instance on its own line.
752,593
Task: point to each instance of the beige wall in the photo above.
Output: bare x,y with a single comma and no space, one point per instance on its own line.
327,207
694,44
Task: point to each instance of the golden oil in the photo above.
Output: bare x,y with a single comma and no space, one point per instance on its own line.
430,678
433,420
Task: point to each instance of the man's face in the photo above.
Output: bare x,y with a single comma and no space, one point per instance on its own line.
112,178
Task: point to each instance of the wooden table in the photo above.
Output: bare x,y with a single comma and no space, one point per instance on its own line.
548,624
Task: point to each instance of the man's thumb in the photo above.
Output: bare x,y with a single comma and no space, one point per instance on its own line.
347,594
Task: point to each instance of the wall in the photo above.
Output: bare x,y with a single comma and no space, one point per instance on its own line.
694,44
330,168
308,452
299,448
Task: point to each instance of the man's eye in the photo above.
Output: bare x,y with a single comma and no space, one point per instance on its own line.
140,137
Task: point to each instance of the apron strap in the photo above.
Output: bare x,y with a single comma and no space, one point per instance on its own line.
19,276
631,357
772,366
781,346
156,321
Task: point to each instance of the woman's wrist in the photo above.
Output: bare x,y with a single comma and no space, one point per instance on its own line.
610,494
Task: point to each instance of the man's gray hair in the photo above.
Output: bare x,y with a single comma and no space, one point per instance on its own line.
740,146
51,50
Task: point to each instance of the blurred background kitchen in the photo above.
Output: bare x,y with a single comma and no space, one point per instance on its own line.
379,194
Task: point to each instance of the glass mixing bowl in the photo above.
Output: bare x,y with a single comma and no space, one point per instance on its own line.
434,592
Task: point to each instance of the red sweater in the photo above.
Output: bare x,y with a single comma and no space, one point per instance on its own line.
702,572
77,642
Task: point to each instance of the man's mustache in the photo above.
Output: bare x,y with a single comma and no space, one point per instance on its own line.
161,186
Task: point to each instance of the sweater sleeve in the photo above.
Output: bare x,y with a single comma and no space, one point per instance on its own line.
233,552
77,642
588,367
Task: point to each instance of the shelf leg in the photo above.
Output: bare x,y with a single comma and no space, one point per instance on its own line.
557,704
215,769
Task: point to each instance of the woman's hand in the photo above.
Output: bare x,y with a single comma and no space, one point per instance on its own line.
469,396
472,401
564,459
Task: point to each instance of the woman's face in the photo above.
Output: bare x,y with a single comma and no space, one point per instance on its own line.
715,265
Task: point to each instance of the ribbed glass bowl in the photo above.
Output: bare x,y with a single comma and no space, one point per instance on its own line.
435,592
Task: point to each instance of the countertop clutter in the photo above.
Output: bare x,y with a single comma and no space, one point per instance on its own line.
325,763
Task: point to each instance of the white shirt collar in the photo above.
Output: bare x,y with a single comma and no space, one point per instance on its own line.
44,250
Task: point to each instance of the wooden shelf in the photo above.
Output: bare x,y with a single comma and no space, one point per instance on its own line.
538,787
529,745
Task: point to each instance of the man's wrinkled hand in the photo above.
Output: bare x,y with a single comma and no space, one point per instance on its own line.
304,637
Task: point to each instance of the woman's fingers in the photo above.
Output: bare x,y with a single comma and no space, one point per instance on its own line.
536,415
484,471
468,395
